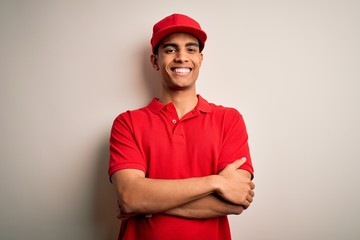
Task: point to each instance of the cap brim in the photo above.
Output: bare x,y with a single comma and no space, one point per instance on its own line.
199,34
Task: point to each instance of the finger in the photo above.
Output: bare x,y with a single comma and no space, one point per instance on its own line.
251,193
246,204
250,196
239,162
236,209
252,185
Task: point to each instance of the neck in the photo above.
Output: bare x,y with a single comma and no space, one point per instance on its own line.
183,101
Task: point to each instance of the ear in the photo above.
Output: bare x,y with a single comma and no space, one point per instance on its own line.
154,62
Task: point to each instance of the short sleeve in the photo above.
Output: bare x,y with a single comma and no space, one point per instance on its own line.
124,151
235,142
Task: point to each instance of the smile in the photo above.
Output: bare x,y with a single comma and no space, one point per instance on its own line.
181,70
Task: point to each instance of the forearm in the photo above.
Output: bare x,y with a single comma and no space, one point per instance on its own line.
141,195
138,194
207,207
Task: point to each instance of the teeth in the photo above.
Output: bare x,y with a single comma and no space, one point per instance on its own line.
182,70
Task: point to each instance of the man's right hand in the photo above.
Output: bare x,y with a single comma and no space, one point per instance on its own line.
236,186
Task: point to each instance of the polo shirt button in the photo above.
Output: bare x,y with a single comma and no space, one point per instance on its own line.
173,121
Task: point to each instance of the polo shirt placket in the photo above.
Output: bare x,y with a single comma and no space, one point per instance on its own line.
177,125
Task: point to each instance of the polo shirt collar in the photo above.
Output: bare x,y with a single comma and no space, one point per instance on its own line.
203,105
156,106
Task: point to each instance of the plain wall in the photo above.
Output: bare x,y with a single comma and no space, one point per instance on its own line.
68,68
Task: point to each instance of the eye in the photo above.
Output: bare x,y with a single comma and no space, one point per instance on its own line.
192,50
170,50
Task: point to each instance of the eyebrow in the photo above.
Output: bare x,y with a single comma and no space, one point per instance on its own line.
189,44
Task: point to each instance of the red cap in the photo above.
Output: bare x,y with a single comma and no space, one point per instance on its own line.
177,23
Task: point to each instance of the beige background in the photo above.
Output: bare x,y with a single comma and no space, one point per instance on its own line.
67,69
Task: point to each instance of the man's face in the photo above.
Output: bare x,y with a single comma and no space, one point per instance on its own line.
179,60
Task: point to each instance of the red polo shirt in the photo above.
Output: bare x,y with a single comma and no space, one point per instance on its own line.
154,140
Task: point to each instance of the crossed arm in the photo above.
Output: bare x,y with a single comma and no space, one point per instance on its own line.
229,192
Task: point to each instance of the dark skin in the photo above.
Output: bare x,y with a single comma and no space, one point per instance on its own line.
228,192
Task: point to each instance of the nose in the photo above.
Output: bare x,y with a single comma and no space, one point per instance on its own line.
181,56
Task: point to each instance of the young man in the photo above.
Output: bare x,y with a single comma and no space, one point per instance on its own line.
181,164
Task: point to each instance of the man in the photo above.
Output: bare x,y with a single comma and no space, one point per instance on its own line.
181,164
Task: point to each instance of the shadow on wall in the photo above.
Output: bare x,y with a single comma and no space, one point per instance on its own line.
151,77
105,210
